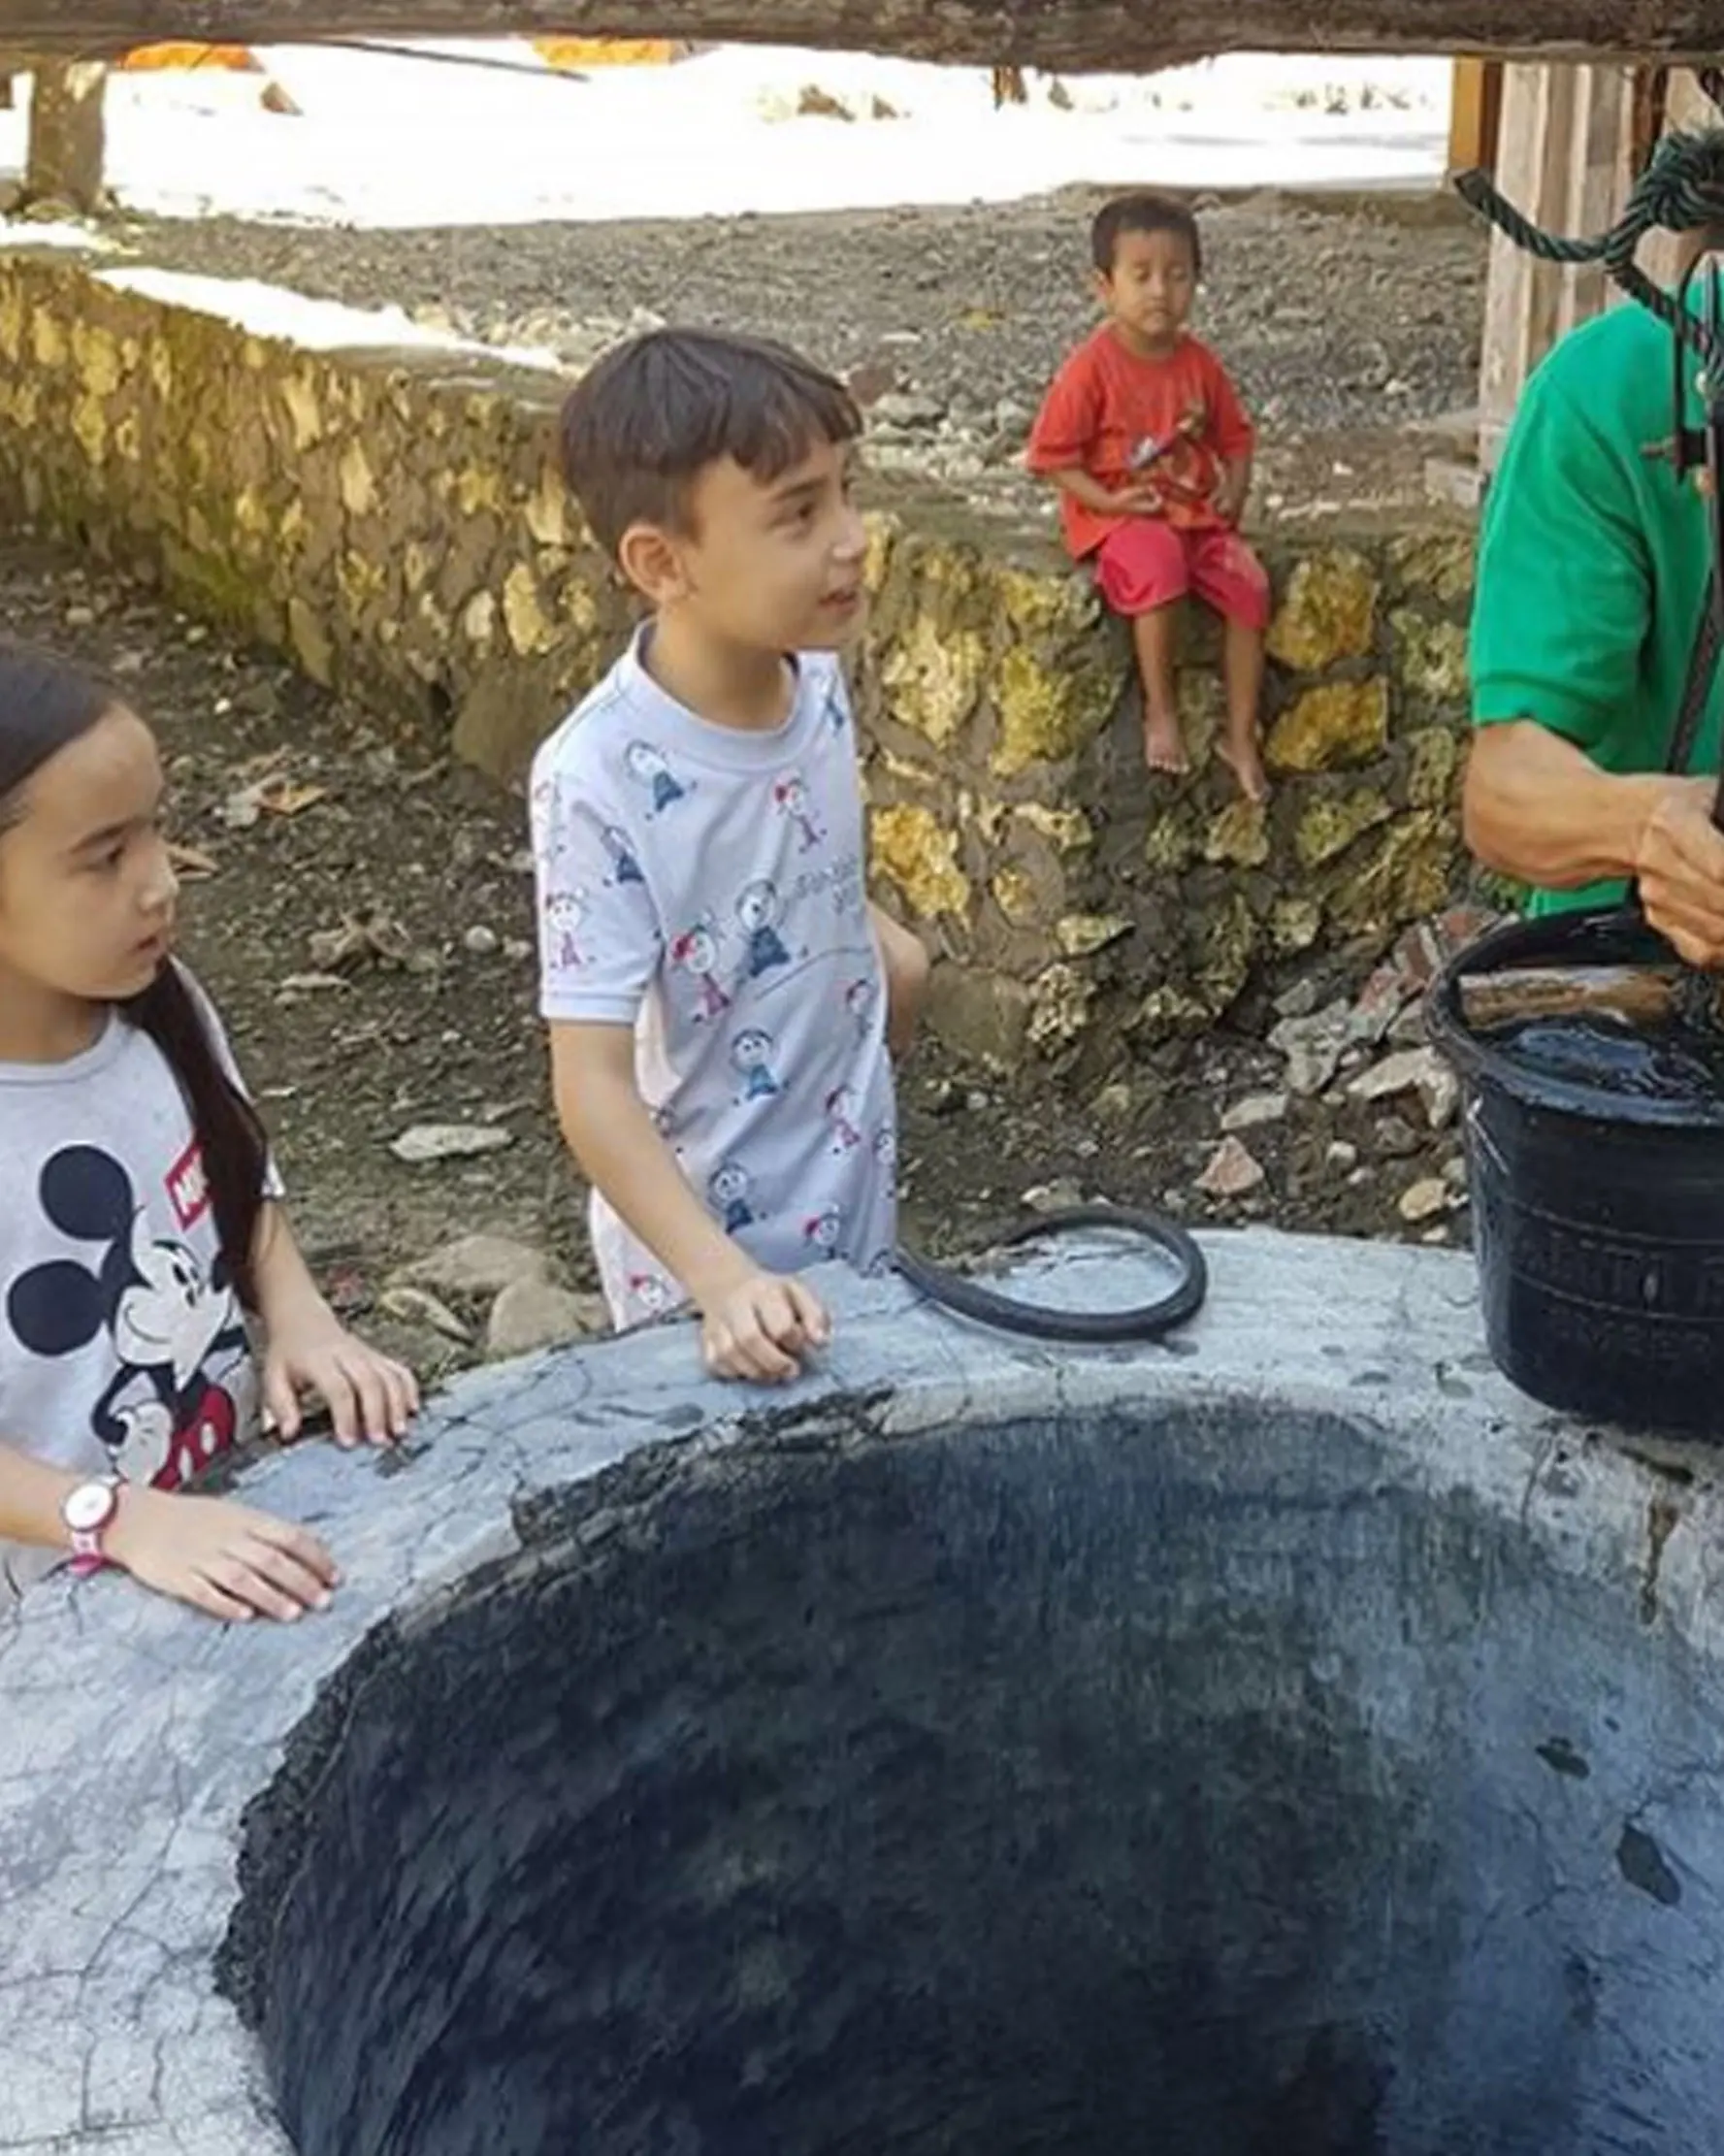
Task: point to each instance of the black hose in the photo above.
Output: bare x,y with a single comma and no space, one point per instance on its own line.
963,1294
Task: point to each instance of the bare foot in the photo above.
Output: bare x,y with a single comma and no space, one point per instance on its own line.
1162,748
1246,767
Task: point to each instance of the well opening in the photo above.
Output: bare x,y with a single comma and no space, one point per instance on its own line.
1056,1788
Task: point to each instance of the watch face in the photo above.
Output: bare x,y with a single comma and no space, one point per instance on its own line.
88,1506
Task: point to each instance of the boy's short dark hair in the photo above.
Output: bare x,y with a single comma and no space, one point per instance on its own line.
639,426
1142,212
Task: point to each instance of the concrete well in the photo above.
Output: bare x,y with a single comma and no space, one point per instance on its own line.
1288,1744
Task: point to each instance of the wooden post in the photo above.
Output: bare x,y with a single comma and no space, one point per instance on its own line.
1475,115
1567,162
68,140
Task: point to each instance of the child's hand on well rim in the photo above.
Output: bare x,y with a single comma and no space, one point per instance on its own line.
220,1558
371,1397
761,1327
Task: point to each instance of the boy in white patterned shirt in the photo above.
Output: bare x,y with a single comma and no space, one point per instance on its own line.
723,999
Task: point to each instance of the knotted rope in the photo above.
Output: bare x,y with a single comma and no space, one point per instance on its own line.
1680,190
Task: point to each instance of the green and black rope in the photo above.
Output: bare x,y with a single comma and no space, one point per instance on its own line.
1680,190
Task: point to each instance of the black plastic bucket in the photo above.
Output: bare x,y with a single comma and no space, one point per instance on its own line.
1597,1216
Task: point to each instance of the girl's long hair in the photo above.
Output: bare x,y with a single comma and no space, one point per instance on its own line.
46,705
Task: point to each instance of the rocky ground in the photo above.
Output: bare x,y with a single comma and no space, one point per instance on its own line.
1350,329
362,911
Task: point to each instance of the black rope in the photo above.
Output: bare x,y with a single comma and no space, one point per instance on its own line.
969,1298
1680,190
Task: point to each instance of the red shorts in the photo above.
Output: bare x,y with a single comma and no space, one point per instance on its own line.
1147,564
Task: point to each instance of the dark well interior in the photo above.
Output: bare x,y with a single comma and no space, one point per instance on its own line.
1190,1786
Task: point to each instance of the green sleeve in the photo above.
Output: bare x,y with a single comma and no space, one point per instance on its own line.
1563,604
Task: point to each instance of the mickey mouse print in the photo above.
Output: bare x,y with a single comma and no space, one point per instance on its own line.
123,1347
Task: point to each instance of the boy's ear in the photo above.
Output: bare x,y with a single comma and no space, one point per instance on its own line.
650,558
1102,283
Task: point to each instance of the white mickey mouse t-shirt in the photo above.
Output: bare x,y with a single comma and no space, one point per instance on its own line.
122,1346
706,886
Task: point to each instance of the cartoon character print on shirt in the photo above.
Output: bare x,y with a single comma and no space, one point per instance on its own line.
178,1334
823,1231
841,1115
624,868
648,767
751,1052
885,1146
790,797
564,913
858,1002
651,1293
728,1188
760,910
695,952
1179,462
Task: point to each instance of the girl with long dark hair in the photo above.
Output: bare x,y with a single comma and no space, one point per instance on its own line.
143,1242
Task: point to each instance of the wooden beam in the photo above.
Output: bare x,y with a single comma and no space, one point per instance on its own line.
1567,162
1475,115
1069,35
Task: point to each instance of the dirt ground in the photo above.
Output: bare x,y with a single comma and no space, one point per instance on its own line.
306,828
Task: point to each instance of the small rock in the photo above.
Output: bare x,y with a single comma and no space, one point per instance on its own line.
1379,1004
475,1265
1396,1138
1454,1172
1113,1103
1299,1000
417,1306
1057,1196
871,380
481,940
1313,1046
532,1314
1256,1109
1411,1069
814,102
1440,1091
1409,1029
1231,1172
1425,1199
448,1141
1341,1154
907,409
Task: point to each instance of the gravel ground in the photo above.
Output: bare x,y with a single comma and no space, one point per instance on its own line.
1347,328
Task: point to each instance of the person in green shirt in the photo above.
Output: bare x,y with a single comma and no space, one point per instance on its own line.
1593,569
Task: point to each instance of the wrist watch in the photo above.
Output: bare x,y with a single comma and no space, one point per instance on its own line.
88,1512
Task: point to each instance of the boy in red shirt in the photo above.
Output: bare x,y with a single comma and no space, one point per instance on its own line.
1144,437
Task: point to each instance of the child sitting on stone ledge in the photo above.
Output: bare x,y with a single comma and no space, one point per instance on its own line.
1146,439
722,996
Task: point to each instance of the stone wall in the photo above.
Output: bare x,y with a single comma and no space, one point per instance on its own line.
389,513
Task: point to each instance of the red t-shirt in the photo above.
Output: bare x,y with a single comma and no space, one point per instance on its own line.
1173,422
